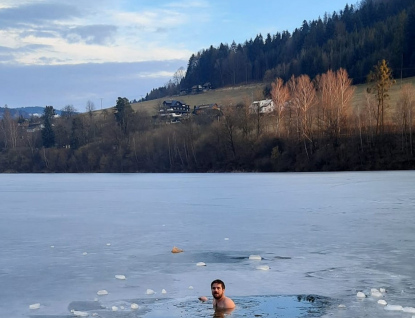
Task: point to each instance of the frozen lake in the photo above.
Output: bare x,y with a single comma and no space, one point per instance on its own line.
64,237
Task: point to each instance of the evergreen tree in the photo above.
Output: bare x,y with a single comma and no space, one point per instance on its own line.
123,112
48,135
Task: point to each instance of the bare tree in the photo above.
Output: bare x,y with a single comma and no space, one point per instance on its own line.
68,111
303,98
346,92
229,127
280,97
90,107
404,114
178,76
9,129
335,95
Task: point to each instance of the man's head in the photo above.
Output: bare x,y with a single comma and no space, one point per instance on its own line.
218,288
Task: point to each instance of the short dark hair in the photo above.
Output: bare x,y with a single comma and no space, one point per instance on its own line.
218,281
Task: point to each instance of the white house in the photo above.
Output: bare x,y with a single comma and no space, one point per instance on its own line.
263,106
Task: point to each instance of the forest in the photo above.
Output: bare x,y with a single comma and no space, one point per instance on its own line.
314,126
355,39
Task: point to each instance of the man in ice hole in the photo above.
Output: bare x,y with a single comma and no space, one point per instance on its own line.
220,301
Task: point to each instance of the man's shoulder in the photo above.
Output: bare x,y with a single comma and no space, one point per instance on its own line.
229,303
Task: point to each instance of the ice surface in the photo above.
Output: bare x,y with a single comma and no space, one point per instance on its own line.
328,234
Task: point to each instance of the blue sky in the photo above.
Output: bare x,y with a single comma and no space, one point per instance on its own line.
66,52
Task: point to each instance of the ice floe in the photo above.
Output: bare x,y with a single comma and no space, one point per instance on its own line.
409,309
255,257
263,267
108,244
342,306
121,277
150,291
102,292
360,295
114,308
134,306
78,313
163,291
34,306
200,264
84,253
382,290
190,287
393,307
226,238
382,302
375,293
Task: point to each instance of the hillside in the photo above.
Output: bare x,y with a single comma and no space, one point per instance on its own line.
354,38
237,94
221,96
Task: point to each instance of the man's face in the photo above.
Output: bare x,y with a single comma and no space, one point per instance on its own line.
217,291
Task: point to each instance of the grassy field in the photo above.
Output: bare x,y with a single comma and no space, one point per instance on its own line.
393,92
234,95
230,95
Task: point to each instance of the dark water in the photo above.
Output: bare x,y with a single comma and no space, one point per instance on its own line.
65,237
253,306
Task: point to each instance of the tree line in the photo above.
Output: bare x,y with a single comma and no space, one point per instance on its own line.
314,127
353,39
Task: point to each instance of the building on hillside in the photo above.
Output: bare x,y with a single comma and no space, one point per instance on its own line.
207,86
33,127
262,106
207,108
173,110
196,89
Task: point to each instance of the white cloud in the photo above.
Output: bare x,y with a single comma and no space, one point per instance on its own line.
155,74
62,33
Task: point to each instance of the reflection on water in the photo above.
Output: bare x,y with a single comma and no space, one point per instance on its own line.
253,306
221,313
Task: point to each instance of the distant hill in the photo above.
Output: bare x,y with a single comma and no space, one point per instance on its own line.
25,112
